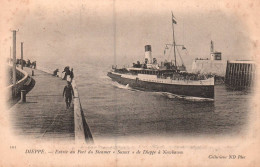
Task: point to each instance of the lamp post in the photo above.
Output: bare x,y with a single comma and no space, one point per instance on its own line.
22,55
14,57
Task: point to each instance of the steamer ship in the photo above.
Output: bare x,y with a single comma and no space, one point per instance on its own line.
166,77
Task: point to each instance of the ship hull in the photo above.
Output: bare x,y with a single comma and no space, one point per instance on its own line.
204,91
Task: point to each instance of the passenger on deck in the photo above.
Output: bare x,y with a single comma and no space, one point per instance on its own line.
68,93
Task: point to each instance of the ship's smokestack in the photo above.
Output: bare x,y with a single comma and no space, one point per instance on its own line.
148,53
211,47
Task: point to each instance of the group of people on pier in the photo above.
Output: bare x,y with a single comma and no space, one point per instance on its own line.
24,63
68,90
68,72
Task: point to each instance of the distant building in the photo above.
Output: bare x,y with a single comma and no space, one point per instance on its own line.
213,54
214,65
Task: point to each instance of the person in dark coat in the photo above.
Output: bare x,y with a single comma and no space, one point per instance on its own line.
67,72
55,73
71,75
34,64
68,93
28,63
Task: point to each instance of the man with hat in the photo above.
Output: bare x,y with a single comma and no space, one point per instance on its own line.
68,93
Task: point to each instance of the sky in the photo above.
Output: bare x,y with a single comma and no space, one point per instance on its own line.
115,32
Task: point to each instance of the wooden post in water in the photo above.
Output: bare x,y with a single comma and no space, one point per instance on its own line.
227,73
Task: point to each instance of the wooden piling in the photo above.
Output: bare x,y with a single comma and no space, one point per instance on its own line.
240,74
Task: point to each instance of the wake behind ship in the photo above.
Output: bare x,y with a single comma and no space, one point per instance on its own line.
166,77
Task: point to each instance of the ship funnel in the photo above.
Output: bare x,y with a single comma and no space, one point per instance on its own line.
148,53
211,46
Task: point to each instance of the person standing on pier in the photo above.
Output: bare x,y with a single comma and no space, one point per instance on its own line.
67,72
71,75
68,92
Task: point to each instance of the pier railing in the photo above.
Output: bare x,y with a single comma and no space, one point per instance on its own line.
14,90
82,131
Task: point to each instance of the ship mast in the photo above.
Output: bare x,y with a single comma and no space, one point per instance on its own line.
173,44
173,40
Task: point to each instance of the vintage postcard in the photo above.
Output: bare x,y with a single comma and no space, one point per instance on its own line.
129,83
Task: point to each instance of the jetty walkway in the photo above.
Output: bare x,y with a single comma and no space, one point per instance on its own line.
44,114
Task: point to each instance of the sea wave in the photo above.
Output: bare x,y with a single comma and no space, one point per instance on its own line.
188,98
118,85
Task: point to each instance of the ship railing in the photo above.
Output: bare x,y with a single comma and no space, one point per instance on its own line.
185,78
196,82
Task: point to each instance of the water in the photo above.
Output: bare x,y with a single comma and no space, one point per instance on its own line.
113,110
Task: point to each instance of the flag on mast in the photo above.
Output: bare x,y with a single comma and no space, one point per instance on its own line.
173,19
